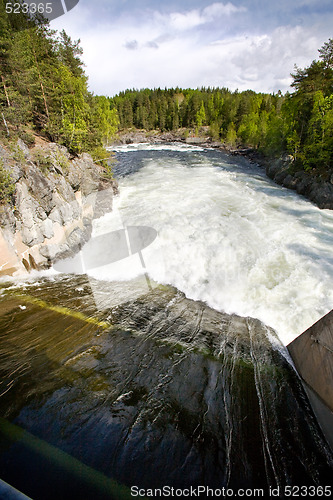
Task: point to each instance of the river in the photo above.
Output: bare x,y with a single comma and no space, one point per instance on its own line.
227,235
169,367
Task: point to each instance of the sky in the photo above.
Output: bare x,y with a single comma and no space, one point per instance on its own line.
238,44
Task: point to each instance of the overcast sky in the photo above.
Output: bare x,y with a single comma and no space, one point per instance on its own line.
244,44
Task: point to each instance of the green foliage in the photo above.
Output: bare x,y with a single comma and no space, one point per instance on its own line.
201,116
27,138
17,153
309,114
62,161
231,136
43,85
171,109
318,148
43,161
104,158
105,116
214,131
7,187
248,129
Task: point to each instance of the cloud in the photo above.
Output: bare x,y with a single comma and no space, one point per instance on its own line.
215,45
219,10
132,45
183,21
271,57
152,44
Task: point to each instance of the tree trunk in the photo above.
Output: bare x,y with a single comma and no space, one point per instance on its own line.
41,85
4,120
5,88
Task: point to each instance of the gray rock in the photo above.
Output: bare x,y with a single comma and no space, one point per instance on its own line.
77,238
322,194
28,210
195,140
289,181
31,235
47,229
44,199
15,171
7,218
24,148
103,202
55,216
40,213
63,188
55,252
74,178
281,175
272,169
41,188
88,185
305,183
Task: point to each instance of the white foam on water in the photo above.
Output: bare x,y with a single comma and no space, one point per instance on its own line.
231,238
145,146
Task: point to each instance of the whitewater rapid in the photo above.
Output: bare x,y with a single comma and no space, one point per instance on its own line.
227,235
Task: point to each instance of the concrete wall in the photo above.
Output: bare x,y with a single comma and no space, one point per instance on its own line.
7,492
312,353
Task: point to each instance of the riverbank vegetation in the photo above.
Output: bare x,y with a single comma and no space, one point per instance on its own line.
43,88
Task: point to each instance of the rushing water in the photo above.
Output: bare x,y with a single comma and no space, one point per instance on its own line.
109,379
227,235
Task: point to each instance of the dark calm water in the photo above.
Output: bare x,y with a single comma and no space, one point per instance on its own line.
108,384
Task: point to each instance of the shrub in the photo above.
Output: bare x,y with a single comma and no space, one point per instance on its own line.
62,161
17,153
104,158
43,161
7,187
27,138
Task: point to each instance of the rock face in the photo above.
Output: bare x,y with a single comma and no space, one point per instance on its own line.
312,187
156,390
55,201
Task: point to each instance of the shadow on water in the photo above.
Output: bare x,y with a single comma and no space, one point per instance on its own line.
170,393
126,166
326,258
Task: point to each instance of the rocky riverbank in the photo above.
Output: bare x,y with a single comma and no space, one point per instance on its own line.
187,136
317,188
55,199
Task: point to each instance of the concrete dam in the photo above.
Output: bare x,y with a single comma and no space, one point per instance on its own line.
312,353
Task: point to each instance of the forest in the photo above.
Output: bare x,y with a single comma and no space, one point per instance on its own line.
44,88
299,123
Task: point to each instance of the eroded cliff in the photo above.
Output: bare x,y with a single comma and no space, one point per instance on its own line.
55,199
